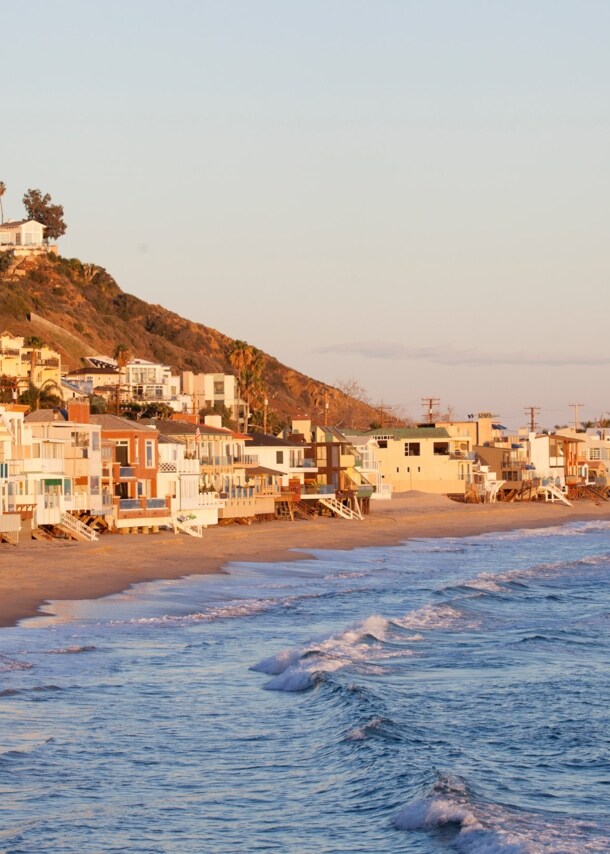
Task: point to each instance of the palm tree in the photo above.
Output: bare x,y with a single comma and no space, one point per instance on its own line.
123,356
45,396
2,192
247,362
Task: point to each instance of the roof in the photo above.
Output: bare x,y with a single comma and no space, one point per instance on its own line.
171,440
116,423
92,370
264,440
42,416
17,222
263,470
411,433
170,427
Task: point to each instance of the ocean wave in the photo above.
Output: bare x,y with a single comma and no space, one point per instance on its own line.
8,665
37,689
300,668
435,616
70,650
484,828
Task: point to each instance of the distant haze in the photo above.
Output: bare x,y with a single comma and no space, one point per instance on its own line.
414,195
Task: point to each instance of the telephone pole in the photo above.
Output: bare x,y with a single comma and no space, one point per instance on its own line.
531,411
429,408
575,407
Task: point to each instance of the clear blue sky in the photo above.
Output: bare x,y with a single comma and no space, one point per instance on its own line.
413,194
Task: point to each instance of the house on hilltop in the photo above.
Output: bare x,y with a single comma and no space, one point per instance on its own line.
23,237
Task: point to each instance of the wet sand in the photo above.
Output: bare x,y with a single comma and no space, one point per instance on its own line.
34,573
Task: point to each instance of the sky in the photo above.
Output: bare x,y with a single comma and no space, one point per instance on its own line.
412,195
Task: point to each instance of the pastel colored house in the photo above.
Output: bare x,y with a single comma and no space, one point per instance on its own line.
424,458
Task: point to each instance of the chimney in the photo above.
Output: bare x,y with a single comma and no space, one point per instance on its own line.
79,411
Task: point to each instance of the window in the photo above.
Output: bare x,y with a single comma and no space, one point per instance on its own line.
441,449
412,449
95,485
279,457
95,441
79,439
150,454
219,387
382,443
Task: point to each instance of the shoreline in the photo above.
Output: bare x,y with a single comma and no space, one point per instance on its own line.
36,573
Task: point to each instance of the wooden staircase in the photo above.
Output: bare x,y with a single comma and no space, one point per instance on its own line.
306,509
340,509
74,528
186,525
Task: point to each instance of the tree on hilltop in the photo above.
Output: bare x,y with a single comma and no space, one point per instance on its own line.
41,209
2,192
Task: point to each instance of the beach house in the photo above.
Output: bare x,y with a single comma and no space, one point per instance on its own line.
426,458
23,237
129,475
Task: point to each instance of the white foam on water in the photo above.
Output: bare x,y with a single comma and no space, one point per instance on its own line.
328,654
70,650
434,616
7,665
360,733
493,829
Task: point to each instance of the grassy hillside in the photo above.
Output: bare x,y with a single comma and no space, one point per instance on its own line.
80,310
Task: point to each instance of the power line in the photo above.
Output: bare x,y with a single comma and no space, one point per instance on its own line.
531,411
575,407
430,407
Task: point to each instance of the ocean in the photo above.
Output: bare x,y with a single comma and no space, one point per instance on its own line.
445,695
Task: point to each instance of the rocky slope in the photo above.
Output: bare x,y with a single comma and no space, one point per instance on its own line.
80,310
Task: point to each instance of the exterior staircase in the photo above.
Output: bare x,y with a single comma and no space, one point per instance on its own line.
306,509
554,493
186,525
340,509
72,526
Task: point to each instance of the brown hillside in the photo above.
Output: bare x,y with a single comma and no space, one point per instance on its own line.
81,311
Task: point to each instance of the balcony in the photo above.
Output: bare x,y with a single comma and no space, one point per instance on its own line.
217,462
138,508
127,473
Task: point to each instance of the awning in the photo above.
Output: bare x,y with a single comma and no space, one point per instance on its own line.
263,470
52,481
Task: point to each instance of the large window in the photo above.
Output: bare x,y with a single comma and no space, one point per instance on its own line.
441,449
412,449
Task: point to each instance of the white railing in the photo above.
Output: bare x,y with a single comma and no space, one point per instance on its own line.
383,492
76,528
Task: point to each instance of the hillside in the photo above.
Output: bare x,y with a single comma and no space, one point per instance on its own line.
80,310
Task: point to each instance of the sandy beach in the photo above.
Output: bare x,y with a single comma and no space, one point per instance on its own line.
35,573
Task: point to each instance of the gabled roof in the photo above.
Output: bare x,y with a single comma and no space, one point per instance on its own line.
43,416
17,222
171,440
171,427
264,440
115,422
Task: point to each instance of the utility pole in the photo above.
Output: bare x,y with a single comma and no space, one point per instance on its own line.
575,407
429,405
265,405
531,411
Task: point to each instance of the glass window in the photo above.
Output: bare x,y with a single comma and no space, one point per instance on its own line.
412,449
